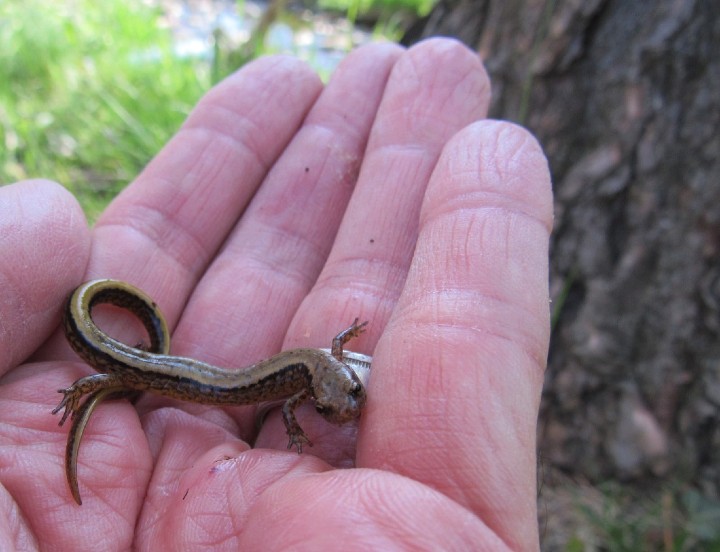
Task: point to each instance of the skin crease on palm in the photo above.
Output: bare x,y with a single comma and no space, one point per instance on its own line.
280,211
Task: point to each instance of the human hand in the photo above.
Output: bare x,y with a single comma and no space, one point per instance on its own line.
278,213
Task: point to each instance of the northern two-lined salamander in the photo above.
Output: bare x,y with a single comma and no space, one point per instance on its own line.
296,375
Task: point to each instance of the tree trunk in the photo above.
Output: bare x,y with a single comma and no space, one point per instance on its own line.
625,98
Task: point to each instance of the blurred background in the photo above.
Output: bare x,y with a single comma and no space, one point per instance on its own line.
623,95
90,91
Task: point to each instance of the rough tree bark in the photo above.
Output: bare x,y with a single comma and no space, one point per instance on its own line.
625,97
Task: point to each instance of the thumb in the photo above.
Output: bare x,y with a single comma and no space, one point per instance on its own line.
44,244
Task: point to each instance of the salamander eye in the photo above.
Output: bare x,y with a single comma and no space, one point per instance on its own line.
319,408
355,389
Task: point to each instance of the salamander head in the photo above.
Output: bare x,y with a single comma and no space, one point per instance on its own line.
338,392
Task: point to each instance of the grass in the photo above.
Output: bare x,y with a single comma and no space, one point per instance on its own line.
393,16
88,95
355,8
665,517
673,521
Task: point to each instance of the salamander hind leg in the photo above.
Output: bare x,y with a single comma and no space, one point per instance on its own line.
70,402
73,394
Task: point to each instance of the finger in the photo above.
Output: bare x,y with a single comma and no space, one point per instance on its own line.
372,509
272,258
162,231
44,244
454,396
435,89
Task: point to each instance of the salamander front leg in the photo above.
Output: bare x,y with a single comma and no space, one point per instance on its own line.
346,335
294,431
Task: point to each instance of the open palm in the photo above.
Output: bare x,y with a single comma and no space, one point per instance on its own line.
280,211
